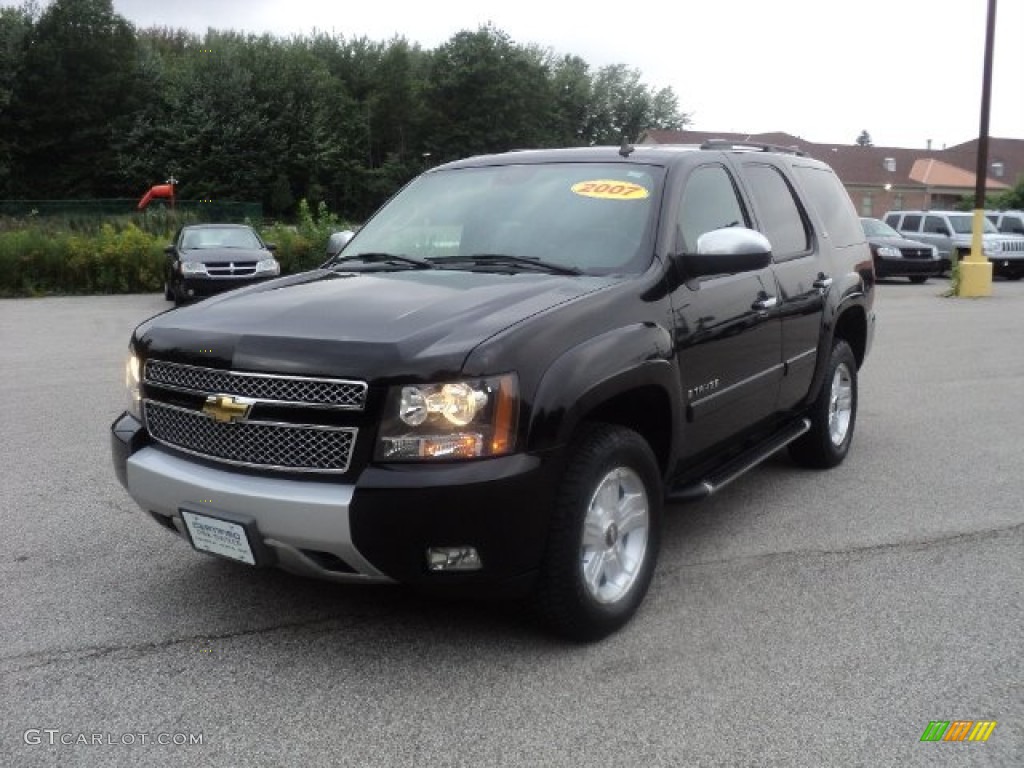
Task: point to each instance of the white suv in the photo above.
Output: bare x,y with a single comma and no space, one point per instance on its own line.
950,232
1007,222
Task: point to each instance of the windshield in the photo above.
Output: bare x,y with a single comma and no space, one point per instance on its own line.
878,228
199,238
963,224
596,218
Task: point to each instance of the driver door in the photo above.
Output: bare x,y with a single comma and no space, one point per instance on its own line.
728,334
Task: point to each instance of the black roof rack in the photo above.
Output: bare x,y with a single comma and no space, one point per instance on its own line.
751,145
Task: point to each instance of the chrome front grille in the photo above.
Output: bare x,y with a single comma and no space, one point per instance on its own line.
266,445
1013,246
916,253
293,390
231,268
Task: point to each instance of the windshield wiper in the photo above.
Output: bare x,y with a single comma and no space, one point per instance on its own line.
384,258
508,260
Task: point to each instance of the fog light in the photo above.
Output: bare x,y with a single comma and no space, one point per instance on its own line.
453,559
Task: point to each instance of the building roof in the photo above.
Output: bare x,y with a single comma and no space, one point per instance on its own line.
936,173
952,168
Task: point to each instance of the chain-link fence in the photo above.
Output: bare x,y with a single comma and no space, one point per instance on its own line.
192,210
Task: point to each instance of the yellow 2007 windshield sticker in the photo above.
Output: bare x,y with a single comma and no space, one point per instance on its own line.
609,189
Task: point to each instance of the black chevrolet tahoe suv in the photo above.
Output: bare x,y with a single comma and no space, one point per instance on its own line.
503,377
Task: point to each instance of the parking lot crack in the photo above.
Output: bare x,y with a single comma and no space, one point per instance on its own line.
867,550
39,660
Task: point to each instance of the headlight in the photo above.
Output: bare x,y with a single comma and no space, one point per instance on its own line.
132,380
268,267
888,252
454,420
193,268
991,246
935,253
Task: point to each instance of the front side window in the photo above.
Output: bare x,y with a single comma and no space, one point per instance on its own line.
1012,224
779,214
596,218
911,223
709,202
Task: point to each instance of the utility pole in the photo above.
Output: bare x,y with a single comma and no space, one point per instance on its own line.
976,270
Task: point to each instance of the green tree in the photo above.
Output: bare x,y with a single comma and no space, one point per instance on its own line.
90,107
77,89
486,94
1012,199
864,139
623,107
15,25
572,91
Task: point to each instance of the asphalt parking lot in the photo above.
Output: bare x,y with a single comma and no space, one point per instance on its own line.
799,618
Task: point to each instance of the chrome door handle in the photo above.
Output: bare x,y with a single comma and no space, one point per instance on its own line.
823,282
766,302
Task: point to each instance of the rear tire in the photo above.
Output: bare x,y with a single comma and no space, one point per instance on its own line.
604,534
168,293
918,279
833,414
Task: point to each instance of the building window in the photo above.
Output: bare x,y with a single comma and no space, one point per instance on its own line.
866,208
998,170
897,203
890,164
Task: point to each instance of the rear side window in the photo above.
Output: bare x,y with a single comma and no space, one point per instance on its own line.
911,223
935,225
832,202
778,212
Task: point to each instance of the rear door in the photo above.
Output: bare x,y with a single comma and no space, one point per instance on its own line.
799,269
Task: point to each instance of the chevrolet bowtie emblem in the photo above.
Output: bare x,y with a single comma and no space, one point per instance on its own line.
225,409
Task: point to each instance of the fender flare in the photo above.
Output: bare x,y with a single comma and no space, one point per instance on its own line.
583,377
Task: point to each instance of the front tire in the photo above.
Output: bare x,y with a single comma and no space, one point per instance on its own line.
833,414
604,535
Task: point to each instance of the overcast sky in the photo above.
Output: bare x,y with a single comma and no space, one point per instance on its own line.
905,70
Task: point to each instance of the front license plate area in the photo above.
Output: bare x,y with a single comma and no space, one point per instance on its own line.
219,536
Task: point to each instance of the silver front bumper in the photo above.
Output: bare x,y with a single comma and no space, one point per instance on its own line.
291,515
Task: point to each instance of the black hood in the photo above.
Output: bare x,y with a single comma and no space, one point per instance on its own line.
897,242
366,325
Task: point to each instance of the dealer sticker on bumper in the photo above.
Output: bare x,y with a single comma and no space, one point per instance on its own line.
220,537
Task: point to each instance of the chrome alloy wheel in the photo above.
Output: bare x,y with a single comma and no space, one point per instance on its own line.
840,404
615,532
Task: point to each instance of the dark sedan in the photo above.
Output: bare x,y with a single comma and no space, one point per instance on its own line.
206,259
896,256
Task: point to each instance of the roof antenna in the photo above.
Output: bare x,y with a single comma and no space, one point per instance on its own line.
626,149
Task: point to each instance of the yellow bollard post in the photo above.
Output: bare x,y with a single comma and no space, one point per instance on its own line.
976,270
